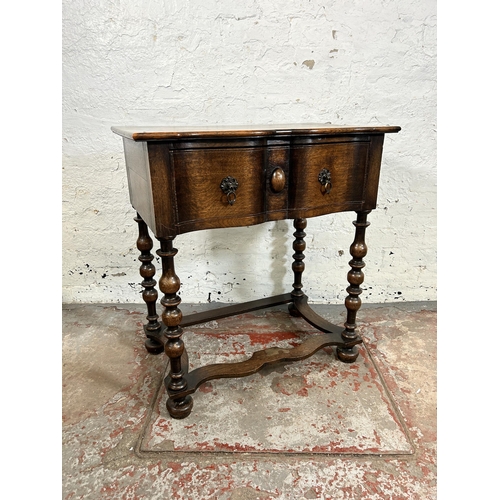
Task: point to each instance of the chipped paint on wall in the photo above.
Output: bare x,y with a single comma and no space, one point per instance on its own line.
207,62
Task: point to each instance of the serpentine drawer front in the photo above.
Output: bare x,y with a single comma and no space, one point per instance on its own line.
185,179
221,183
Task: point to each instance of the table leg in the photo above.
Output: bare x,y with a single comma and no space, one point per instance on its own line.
355,277
178,407
298,266
149,294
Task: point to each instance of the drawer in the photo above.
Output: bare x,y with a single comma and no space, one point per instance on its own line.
327,177
175,174
219,187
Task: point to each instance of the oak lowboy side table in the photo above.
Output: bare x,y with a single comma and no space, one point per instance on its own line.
186,179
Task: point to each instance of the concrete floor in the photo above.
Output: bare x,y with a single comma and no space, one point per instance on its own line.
316,428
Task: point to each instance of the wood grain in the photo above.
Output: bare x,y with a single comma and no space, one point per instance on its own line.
162,133
174,173
257,361
185,179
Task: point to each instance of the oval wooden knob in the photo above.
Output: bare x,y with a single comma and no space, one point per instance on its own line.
278,180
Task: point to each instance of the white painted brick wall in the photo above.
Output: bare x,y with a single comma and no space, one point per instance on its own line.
351,62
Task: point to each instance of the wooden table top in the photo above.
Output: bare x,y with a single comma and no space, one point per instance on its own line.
160,133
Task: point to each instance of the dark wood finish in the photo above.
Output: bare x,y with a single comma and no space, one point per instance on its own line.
161,133
149,293
178,406
185,179
198,177
355,276
298,266
175,175
347,165
225,312
314,319
259,360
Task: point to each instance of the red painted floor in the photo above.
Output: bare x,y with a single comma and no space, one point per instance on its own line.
317,428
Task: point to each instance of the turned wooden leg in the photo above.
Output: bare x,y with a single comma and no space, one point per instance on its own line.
298,266
355,277
178,407
149,294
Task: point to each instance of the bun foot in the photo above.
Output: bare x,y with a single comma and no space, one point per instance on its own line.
347,355
180,409
153,347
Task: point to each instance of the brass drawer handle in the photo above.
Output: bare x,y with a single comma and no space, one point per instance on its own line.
229,185
325,180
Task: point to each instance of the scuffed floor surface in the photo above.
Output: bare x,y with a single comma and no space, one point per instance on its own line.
316,428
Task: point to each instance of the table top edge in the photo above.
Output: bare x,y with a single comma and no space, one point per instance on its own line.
158,133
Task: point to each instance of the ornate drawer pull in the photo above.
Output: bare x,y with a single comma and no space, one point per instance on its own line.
325,179
229,185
